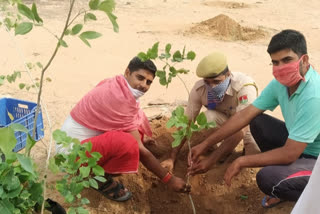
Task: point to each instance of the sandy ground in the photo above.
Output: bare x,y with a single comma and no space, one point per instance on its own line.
78,68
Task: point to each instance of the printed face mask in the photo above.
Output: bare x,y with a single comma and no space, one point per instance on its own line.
216,94
288,74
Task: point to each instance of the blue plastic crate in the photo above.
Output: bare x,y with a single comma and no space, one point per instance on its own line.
23,113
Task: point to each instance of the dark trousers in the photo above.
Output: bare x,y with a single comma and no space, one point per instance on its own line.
282,181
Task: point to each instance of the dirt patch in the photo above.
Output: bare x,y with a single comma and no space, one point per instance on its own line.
225,28
209,192
227,4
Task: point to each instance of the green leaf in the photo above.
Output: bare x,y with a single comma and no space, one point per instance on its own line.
23,28
243,197
191,55
101,179
177,57
11,182
90,35
179,111
98,170
194,127
35,13
113,20
30,65
14,193
24,195
9,78
171,122
7,140
39,65
93,4
168,48
107,6
85,41
9,24
201,119
177,139
63,43
163,81
19,128
142,56
85,201
85,171
160,73
153,52
2,78
26,163
89,16
96,155
29,144
173,71
53,166
81,210
6,206
24,10
76,29
71,210
211,125
87,146
93,183
69,198
60,136
36,191
86,184
183,71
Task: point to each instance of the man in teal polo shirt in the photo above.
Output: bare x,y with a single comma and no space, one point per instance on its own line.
289,149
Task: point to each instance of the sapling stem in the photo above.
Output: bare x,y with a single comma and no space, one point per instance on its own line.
39,98
189,147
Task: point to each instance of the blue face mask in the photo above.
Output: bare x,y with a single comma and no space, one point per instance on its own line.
216,94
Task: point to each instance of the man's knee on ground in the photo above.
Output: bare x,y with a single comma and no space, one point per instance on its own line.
264,180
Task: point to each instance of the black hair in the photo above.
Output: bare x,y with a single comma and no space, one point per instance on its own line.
136,63
288,39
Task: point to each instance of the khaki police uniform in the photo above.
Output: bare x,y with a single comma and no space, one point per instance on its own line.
241,92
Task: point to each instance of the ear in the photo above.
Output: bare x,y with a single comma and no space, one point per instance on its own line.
127,72
228,74
305,60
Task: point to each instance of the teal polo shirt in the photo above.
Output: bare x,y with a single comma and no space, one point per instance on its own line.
301,111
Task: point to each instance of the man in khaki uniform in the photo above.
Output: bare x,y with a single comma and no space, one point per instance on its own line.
223,94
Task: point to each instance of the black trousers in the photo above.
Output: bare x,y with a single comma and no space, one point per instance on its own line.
281,181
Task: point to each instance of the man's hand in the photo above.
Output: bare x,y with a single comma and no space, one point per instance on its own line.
202,166
168,164
232,171
179,185
195,153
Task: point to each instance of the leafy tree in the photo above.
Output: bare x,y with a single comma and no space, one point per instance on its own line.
21,186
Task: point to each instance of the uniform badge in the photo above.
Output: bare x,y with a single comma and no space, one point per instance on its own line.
243,99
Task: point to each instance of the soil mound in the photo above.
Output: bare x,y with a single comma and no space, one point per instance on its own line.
225,28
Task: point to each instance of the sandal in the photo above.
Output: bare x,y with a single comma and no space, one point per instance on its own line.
115,190
265,199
